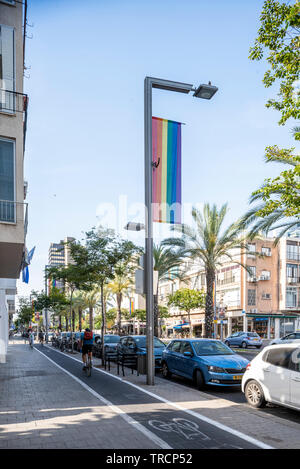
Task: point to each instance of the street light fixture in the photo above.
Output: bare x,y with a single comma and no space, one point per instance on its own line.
205,92
132,226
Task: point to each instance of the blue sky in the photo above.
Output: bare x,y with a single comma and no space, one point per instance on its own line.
87,63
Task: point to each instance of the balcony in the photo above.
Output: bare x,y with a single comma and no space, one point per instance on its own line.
8,212
293,280
12,102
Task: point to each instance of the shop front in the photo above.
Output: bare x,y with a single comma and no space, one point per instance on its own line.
272,326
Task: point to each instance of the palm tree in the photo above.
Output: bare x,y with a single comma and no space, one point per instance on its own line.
168,262
207,244
277,219
91,299
120,286
79,305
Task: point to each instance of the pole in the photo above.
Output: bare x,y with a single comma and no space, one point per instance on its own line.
148,271
46,310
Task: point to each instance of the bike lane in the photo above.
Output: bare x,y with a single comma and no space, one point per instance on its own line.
177,428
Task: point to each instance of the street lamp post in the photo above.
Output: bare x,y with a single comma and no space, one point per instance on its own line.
204,92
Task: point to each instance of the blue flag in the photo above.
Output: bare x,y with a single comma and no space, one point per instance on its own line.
25,275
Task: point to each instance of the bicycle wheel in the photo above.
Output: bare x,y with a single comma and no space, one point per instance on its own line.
88,369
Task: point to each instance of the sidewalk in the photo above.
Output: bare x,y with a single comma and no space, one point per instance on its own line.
42,407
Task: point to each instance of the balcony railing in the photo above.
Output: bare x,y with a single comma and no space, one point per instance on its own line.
12,102
9,212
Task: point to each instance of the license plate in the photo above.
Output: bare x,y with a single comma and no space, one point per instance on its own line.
254,339
237,377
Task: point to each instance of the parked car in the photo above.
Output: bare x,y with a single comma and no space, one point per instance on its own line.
244,339
286,339
137,344
110,345
205,361
274,376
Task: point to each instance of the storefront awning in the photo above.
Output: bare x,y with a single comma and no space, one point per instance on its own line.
181,326
267,316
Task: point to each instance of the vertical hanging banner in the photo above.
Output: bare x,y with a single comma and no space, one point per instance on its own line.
166,162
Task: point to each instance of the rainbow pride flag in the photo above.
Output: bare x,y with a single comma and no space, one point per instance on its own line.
166,180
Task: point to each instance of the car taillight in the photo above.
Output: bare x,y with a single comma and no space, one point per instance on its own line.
248,366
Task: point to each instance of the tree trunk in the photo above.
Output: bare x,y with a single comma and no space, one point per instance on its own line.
119,303
209,303
91,309
189,316
59,323
103,326
80,319
155,315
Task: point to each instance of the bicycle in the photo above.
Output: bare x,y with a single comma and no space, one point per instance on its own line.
88,366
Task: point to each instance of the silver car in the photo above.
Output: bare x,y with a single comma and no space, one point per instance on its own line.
287,339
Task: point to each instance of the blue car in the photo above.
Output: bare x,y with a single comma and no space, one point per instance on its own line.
137,344
205,361
244,340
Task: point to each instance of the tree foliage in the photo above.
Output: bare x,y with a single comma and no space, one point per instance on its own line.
279,36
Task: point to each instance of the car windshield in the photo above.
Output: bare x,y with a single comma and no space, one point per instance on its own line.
141,342
252,334
211,347
112,339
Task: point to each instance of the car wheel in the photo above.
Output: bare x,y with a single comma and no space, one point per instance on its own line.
258,346
244,345
199,380
254,394
165,370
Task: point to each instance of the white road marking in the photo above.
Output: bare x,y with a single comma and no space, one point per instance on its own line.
158,441
219,425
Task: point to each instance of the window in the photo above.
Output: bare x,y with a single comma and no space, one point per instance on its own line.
7,180
279,357
211,347
292,252
186,347
252,273
266,251
251,248
251,297
292,273
291,297
7,68
265,275
176,346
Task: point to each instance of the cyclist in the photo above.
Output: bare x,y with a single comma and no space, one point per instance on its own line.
41,337
87,338
31,338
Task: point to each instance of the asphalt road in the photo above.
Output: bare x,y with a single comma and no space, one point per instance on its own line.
176,428
236,395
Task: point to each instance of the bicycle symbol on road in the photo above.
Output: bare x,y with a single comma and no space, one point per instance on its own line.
181,426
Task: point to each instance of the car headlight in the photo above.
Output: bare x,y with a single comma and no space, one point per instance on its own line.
215,369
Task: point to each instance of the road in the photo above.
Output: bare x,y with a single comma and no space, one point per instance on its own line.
235,395
173,428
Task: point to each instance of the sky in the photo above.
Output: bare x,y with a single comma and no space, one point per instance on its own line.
86,64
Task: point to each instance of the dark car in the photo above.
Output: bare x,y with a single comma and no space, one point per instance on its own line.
137,344
110,345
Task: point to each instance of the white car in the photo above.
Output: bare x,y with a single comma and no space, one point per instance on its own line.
286,339
274,376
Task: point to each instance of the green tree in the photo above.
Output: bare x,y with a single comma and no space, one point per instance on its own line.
24,313
278,35
208,246
100,255
187,300
168,262
279,198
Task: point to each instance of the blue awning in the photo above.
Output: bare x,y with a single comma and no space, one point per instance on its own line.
179,326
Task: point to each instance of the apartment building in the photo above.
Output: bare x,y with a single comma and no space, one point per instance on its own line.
13,122
264,298
59,255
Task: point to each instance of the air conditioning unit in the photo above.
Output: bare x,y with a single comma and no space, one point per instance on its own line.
252,279
253,311
266,296
265,277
